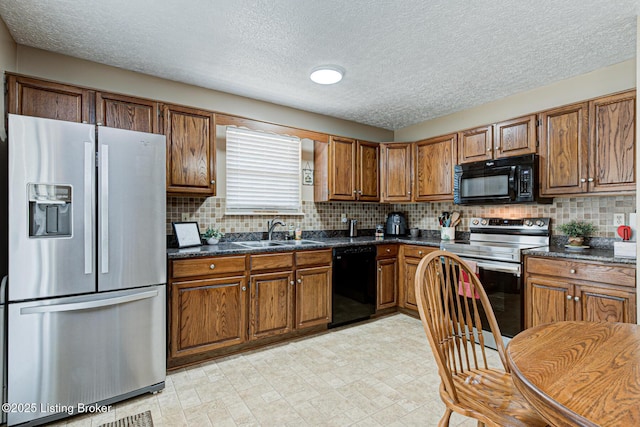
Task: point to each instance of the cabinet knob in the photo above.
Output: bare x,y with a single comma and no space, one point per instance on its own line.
569,297
212,266
359,191
213,181
590,180
379,268
408,192
299,280
576,299
497,148
572,271
293,283
388,250
419,252
99,124
488,148
355,191
583,180
244,288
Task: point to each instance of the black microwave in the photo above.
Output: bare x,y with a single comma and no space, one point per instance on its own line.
502,181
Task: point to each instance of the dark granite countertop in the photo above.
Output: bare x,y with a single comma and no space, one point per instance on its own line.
591,254
230,248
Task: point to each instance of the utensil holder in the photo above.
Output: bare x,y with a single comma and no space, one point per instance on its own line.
448,233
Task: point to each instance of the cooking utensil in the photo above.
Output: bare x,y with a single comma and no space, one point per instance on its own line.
624,231
455,219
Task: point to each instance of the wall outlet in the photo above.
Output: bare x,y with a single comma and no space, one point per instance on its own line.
185,217
618,219
343,217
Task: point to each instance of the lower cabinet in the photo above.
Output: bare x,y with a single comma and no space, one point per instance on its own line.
557,290
227,303
410,256
207,313
387,276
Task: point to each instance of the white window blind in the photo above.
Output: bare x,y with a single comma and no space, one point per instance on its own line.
263,172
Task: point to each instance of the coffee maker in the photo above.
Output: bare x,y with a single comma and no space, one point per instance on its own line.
396,224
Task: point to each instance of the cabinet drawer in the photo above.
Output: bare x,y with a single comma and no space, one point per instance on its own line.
208,266
272,261
417,251
387,251
614,274
306,258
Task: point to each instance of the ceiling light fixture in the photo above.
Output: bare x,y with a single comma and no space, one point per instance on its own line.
327,74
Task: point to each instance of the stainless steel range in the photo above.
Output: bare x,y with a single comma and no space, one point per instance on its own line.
496,246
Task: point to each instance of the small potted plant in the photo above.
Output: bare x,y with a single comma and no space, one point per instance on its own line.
577,231
213,235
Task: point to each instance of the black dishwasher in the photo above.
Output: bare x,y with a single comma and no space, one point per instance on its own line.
354,284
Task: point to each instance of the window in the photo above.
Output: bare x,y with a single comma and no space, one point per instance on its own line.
263,172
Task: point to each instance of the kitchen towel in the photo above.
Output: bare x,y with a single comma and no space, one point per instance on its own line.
464,284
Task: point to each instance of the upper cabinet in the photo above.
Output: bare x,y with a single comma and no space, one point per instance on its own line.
513,137
346,169
190,150
589,147
434,161
396,172
39,98
125,112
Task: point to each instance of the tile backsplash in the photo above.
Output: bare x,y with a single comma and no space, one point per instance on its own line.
326,215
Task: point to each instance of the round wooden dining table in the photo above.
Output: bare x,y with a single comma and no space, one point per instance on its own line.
579,373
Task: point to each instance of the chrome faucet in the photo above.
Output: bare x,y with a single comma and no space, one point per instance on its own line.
271,224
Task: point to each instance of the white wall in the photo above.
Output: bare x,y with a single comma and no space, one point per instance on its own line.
66,69
603,81
8,58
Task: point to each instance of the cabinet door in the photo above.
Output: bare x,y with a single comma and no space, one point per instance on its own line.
435,159
190,150
396,172
409,283
564,150
313,296
387,279
125,112
612,158
271,304
368,174
475,145
595,304
547,301
342,169
40,98
515,137
207,314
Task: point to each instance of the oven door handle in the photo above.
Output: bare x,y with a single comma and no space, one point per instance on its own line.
501,267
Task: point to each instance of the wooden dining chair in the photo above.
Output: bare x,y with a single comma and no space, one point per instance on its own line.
449,295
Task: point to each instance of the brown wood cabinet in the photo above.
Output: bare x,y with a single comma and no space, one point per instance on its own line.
396,172
434,161
346,169
125,112
50,100
313,288
589,147
387,276
191,153
271,297
410,256
207,304
514,137
558,289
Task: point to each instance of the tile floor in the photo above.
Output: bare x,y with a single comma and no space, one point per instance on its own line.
380,373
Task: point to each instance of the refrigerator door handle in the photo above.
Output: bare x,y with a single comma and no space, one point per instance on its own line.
104,208
76,306
89,163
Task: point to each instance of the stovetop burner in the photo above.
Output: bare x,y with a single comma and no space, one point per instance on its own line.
501,238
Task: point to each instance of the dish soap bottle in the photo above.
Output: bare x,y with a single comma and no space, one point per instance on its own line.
298,233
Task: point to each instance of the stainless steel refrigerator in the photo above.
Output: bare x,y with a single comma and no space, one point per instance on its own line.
87,267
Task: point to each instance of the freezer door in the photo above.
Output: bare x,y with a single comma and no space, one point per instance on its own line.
82,350
51,208
131,209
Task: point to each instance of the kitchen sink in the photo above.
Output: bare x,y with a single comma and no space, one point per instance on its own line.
253,244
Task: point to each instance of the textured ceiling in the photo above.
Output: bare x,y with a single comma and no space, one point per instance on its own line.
406,61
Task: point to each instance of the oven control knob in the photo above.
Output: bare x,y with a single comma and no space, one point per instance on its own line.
475,222
540,223
528,222
483,222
